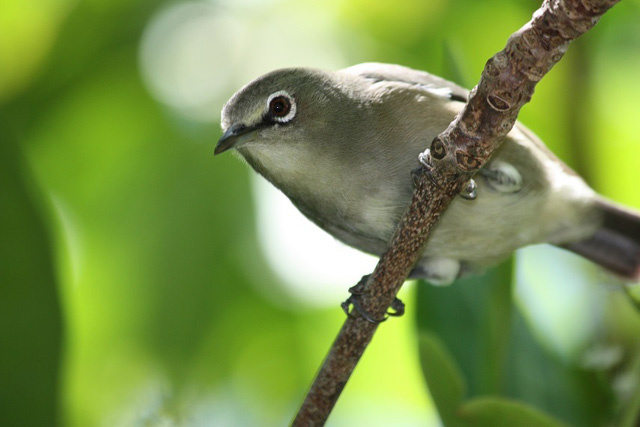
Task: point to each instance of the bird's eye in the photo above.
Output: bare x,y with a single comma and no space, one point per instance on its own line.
279,106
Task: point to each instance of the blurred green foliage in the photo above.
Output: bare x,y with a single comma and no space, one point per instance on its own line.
132,286
496,354
30,318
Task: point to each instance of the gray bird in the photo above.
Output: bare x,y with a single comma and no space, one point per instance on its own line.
341,145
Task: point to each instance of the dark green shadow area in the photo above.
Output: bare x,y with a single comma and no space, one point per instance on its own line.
30,318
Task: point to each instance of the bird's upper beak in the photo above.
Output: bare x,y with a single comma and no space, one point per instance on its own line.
233,136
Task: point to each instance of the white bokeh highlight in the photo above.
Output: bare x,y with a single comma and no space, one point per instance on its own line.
195,55
314,267
186,55
561,296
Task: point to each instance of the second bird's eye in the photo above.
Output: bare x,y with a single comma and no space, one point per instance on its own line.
279,106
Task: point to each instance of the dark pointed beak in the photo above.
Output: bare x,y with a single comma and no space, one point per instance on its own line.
232,137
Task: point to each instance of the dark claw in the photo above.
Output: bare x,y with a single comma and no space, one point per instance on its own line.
415,175
398,308
354,300
425,160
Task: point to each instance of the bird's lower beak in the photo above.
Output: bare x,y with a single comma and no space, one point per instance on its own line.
232,137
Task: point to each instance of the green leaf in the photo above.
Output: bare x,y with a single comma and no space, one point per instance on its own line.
443,376
630,414
30,318
498,355
496,412
472,317
566,390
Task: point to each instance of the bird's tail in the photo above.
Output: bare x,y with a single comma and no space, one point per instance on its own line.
616,244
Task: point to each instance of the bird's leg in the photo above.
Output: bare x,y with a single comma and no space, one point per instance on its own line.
356,291
470,191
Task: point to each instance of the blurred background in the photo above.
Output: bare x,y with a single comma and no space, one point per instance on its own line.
144,282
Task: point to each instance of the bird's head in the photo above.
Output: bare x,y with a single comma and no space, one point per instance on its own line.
281,108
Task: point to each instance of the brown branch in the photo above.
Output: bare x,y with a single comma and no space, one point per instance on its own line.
506,84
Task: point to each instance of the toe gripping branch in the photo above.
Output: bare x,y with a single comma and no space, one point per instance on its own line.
354,300
469,192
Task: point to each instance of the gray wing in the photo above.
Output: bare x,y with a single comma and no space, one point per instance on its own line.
396,73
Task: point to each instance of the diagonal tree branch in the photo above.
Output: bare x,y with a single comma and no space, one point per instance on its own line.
507,83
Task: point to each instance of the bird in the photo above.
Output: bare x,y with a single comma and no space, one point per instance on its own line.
341,146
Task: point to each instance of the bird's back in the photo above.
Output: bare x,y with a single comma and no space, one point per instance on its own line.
409,108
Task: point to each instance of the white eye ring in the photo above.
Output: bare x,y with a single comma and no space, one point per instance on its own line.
290,112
